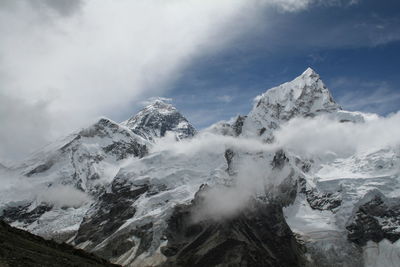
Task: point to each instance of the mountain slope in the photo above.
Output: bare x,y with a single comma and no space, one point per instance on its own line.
20,248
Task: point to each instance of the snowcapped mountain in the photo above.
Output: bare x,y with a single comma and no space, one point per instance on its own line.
240,193
158,118
305,96
87,159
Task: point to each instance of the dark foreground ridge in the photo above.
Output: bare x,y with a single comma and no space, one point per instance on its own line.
21,248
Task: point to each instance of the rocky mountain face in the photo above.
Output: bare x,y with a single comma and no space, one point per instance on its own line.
224,196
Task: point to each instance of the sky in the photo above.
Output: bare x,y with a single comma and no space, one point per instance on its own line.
64,63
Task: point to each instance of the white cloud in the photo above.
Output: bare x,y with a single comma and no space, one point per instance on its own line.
225,98
23,125
63,196
322,136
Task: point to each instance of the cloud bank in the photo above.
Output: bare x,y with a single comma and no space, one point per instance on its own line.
65,62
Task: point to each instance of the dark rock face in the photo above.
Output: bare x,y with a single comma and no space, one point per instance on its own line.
123,149
19,248
320,200
229,154
238,125
279,160
23,214
104,218
375,220
256,236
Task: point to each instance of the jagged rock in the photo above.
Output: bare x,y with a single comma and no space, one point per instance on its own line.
229,154
23,214
375,220
279,160
238,125
320,200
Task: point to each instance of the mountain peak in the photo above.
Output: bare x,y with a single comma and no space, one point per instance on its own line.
305,96
159,103
307,92
157,118
309,72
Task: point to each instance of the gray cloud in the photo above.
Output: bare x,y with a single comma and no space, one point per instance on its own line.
23,126
63,7
44,7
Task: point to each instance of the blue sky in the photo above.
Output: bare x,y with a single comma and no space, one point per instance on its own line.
354,48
